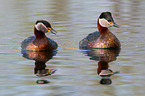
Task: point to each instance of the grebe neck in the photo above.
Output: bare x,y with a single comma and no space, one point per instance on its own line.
38,34
101,29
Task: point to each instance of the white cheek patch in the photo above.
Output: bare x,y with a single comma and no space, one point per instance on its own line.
41,27
104,23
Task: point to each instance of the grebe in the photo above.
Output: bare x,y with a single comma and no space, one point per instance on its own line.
104,38
40,42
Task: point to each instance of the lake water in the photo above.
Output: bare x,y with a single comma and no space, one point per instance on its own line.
72,71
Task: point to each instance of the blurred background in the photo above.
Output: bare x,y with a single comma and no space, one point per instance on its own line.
72,71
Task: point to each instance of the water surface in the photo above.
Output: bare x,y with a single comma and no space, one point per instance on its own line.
71,71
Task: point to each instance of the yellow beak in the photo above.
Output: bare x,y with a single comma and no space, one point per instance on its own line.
49,29
111,23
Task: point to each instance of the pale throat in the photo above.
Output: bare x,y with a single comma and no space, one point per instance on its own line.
104,23
41,27
101,29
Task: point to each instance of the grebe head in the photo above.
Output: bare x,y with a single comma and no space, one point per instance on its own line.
106,20
44,26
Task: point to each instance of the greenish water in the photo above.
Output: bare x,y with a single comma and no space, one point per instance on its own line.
75,71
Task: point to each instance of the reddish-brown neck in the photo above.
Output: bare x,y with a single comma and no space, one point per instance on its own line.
101,29
38,34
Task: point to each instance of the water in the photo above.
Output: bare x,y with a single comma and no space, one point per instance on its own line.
71,71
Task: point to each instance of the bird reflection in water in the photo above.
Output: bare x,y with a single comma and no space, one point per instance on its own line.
104,56
40,63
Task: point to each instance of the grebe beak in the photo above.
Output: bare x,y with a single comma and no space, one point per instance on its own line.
114,24
52,30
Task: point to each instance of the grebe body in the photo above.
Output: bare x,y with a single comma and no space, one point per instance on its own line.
102,38
40,42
